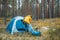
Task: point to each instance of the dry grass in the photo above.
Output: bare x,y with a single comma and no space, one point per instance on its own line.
47,22
50,30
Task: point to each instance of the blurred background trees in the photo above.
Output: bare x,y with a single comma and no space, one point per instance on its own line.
39,9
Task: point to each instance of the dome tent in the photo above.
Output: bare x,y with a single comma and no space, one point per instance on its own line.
17,25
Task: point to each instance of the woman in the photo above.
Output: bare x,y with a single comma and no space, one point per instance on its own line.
21,24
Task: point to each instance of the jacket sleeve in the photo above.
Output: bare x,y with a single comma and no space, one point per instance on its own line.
32,31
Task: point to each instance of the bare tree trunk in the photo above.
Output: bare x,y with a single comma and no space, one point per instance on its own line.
43,9
5,10
24,8
37,9
0,7
18,7
50,8
12,8
34,9
57,14
40,10
46,9
54,9
59,9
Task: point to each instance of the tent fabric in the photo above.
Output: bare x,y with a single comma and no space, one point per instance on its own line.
17,25
11,27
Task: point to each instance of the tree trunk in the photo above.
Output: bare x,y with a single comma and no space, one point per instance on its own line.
43,9
12,8
50,8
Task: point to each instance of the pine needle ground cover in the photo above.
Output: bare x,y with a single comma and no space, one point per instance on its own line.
49,28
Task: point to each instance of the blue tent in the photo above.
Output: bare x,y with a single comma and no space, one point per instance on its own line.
17,25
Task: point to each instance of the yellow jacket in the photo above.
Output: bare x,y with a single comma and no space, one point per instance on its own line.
28,19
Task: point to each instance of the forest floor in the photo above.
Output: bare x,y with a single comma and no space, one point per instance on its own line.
49,28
